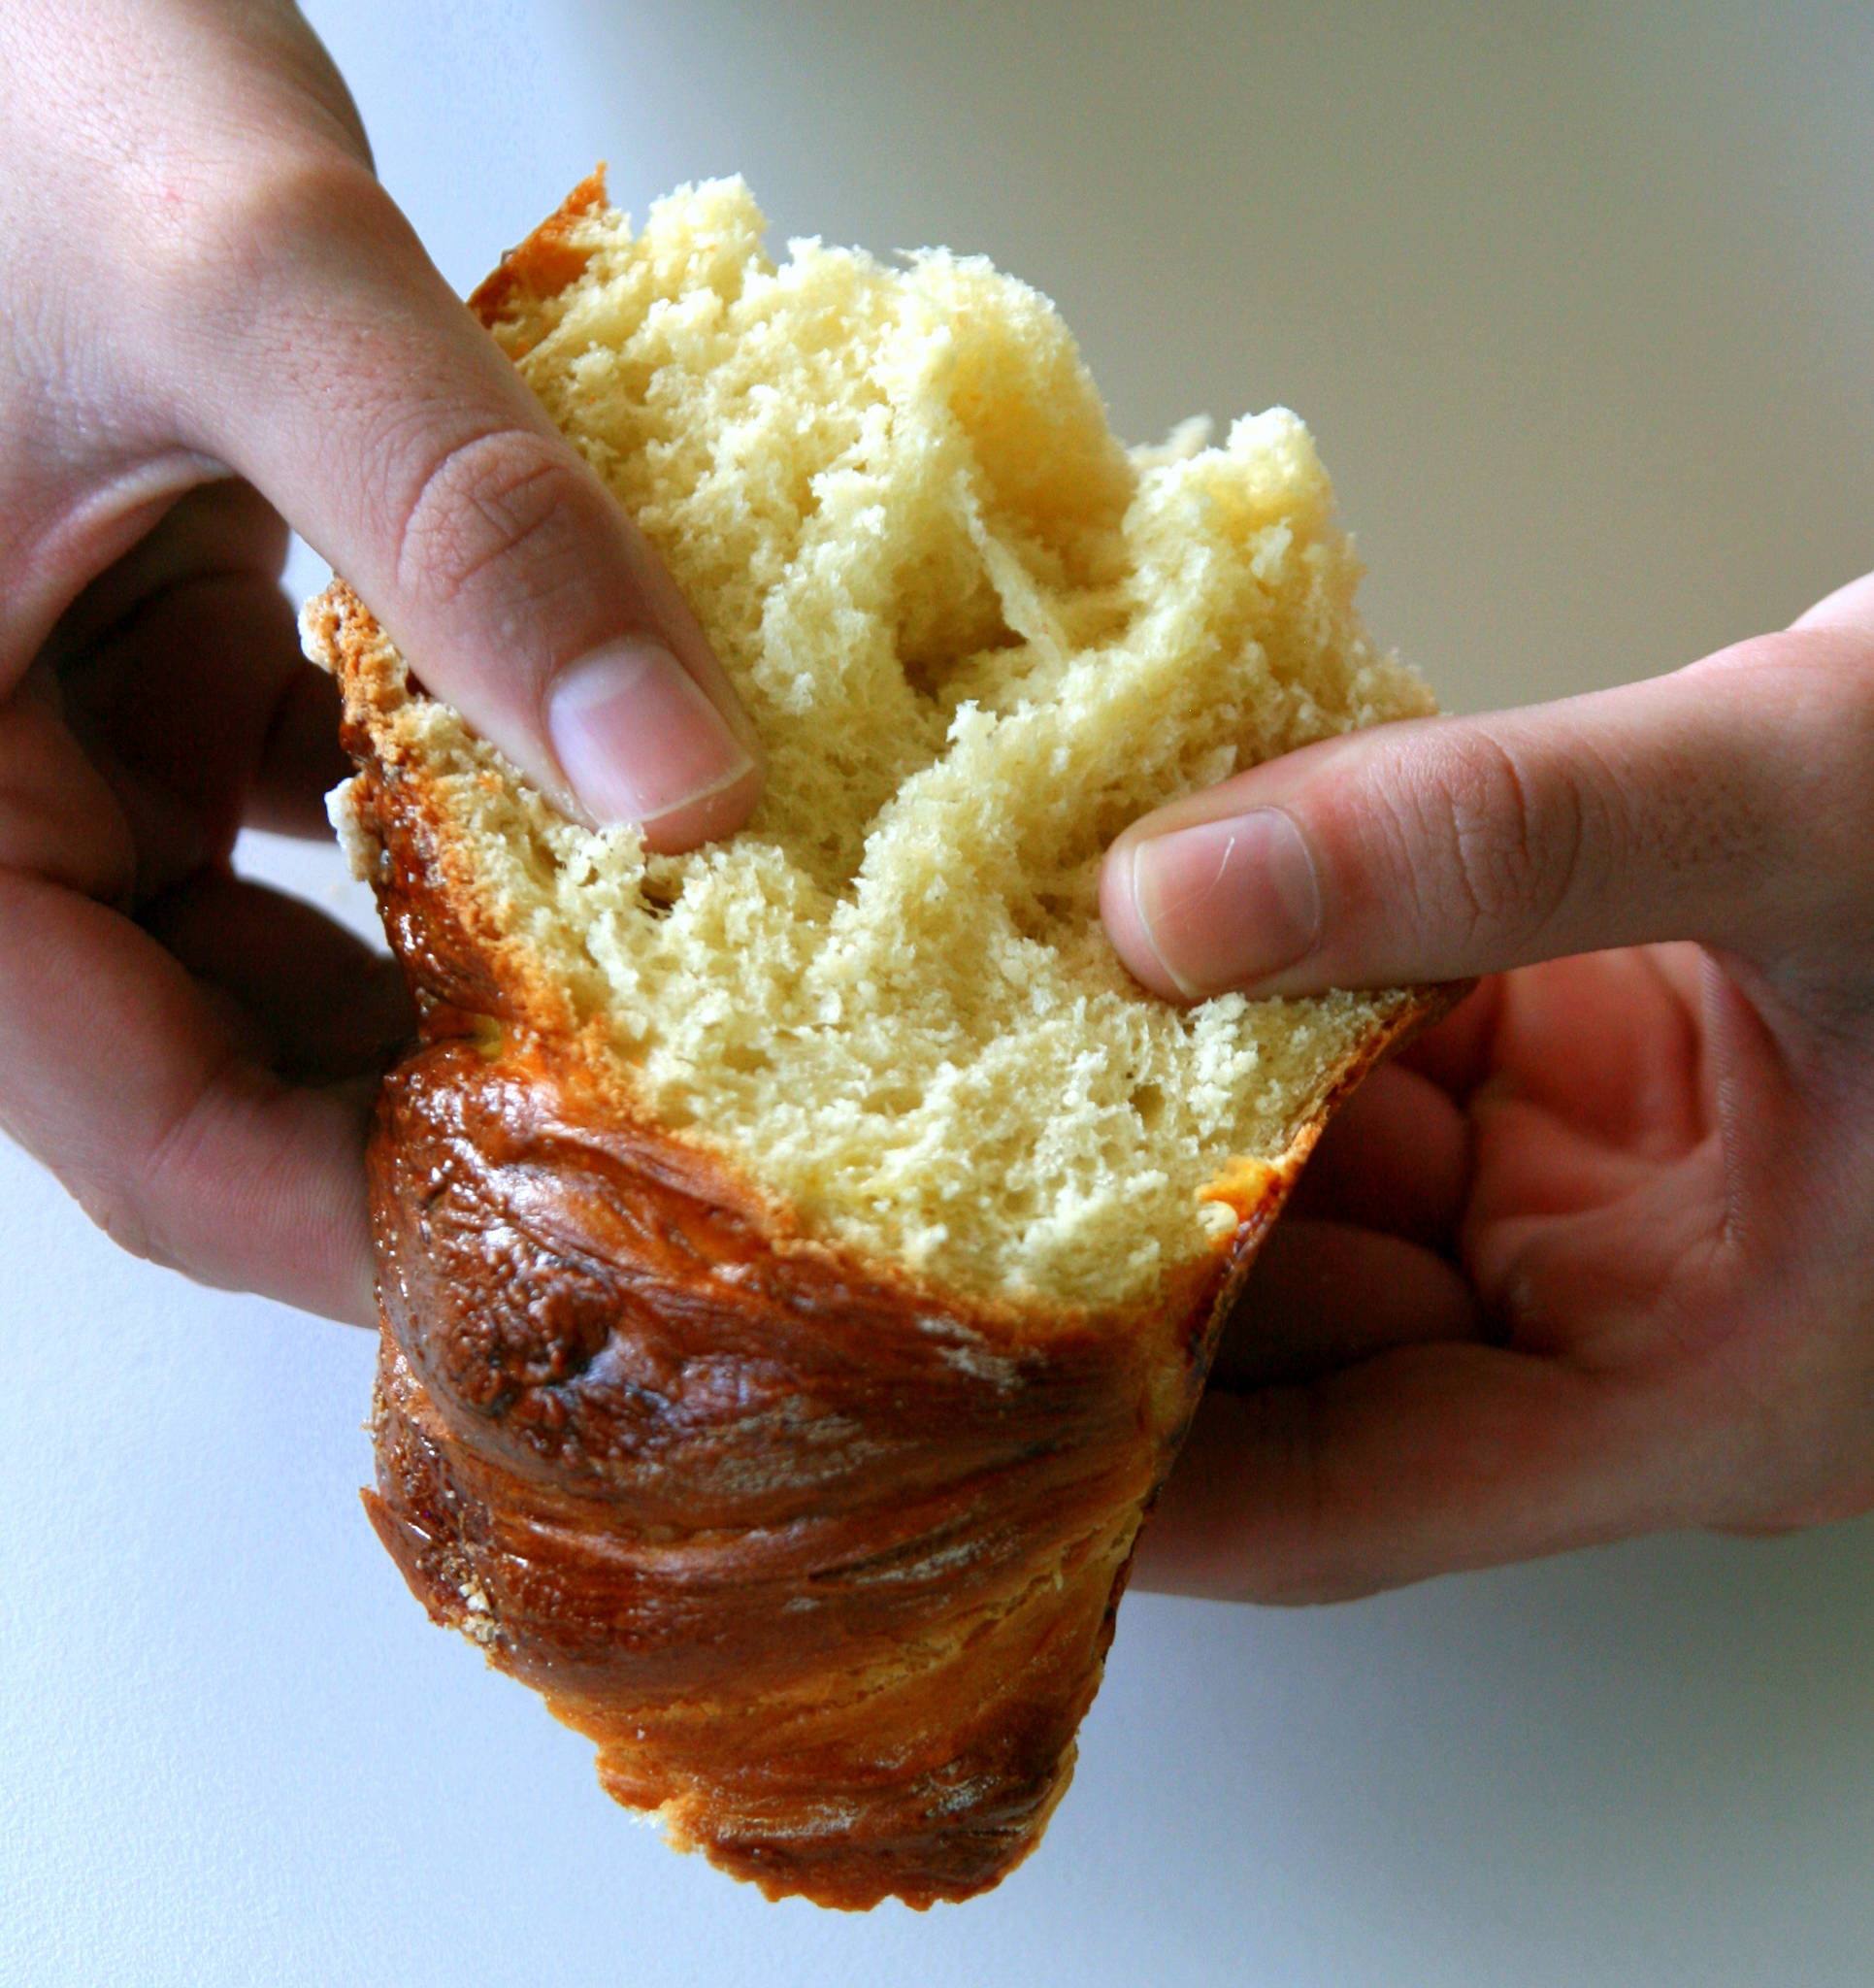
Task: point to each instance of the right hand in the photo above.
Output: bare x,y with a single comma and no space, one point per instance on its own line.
218,325
1594,1257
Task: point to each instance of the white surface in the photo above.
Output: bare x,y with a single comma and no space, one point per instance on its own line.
1582,315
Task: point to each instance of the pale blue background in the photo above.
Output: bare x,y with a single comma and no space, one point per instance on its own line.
1581,308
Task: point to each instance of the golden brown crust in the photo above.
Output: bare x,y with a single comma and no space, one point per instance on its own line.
547,262
825,1560
827,1568
827,1572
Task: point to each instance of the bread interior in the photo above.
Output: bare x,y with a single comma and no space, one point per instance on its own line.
977,637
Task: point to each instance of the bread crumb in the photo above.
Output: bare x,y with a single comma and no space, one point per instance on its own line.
978,638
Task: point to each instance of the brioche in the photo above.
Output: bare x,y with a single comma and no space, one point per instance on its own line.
800,1258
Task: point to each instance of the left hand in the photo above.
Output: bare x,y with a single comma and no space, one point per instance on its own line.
215,322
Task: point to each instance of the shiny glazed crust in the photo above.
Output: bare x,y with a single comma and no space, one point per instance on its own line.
824,1559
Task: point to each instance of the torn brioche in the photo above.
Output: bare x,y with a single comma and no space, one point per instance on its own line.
800,1257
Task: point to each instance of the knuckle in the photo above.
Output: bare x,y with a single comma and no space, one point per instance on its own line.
500,513
1509,841
225,234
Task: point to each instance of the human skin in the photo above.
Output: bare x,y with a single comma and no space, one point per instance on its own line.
217,324
1594,1257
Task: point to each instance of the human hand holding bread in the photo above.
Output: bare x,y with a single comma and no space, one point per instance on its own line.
219,320
1555,1307
1639,1163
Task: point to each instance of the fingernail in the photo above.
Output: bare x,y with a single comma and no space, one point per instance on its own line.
1227,903
636,737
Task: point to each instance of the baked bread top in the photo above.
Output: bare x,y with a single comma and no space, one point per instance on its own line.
977,637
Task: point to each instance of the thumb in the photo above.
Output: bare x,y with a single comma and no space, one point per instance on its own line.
1731,803
330,365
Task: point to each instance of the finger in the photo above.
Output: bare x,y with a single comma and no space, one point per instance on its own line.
130,642
335,370
1456,1053
118,1072
1608,1043
1395,1158
215,530
1424,1461
327,1007
1458,846
1594,1254
301,759
58,818
1533,1166
1324,1295
179,707
179,670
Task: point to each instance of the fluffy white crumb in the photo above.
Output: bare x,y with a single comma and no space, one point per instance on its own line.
978,638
